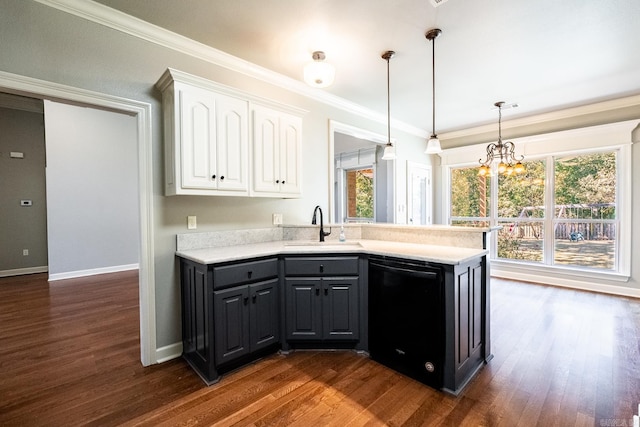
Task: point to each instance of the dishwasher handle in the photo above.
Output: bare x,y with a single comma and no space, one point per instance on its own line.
405,271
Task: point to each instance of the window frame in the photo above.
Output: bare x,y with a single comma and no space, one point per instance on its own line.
603,138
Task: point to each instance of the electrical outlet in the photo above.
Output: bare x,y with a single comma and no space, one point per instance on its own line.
25,252
277,219
191,222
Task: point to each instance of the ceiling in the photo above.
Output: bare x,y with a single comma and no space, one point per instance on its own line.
544,55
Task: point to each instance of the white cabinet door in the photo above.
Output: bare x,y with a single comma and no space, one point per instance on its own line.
266,150
290,154
198,133
232,144
277,142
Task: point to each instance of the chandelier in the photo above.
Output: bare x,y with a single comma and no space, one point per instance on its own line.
503,151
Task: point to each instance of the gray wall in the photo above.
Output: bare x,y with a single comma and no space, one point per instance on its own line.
22,179
40,42
44,43
92,190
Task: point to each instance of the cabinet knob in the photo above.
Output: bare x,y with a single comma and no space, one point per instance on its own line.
254,298
213,176
317,291
249,274
321,268
277,181
222,178
326,291
246,300
283,181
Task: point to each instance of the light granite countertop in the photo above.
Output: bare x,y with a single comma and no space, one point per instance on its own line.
420,252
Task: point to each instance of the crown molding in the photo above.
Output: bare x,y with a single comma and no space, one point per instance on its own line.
135,27
568,113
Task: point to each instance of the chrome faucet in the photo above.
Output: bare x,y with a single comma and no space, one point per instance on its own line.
313,222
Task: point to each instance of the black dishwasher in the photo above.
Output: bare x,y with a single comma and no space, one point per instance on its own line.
406,318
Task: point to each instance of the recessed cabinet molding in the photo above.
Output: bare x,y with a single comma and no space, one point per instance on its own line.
222,141
277,158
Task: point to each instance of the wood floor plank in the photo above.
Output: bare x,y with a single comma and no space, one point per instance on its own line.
69,355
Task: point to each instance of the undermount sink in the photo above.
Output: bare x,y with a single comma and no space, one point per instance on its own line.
307,244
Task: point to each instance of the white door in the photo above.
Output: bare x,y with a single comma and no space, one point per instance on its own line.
418,194
290,154
198,133
232,144
266,150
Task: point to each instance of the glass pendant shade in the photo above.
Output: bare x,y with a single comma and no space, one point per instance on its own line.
389,152
319,73
433,146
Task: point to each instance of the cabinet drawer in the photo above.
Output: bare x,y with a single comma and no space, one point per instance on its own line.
252,271
321,266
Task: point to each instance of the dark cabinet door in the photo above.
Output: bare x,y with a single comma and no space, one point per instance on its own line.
340,309
468,325
264,314
303,308
231,319
196,316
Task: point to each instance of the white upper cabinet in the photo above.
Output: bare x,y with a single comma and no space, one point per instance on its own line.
207,141
277,157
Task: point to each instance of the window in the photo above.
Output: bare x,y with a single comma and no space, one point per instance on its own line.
585,211
561,212
359,191
470,197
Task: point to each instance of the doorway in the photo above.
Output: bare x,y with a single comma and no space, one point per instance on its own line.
418,194
30,87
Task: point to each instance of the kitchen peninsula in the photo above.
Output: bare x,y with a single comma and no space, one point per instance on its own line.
247,293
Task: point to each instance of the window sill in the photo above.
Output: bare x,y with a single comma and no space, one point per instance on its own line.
598,281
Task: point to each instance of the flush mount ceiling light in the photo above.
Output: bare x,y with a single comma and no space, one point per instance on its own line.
433,145
319,73
389,150
502,151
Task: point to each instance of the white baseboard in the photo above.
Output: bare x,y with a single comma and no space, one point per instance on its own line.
567,283
21,271
92,272
169,352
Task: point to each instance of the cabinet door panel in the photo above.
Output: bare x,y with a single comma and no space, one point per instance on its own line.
232,143
303,309
290,154
266,150
198,133
264,314
231,320
340,309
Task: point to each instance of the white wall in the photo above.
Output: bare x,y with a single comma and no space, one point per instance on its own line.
92,190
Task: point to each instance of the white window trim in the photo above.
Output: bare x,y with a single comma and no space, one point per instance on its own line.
615,136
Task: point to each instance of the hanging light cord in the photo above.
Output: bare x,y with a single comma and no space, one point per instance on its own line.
388,103
433,85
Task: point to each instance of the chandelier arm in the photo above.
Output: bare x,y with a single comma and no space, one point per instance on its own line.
490,155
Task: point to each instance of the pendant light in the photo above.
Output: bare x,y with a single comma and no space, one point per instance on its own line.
504,151
389,150
433,145
319,73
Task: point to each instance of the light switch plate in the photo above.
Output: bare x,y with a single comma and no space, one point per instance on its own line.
191,222
277,219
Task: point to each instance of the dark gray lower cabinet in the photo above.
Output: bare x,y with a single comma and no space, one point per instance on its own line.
322,300
245,319
468,313
322,309
230,314
197,319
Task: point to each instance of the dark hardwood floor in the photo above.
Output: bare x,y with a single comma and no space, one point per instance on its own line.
69,355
